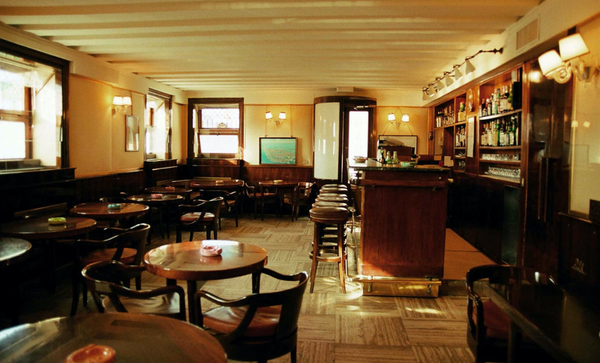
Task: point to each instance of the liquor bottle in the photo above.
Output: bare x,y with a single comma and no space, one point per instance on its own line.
388,158
395,158
497,141
482,142
382,158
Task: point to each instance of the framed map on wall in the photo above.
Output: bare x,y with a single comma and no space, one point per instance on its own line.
278,150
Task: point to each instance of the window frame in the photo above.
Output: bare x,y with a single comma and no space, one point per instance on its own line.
192,103
64,67
168,99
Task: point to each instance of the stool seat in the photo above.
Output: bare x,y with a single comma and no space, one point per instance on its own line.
329,214
336,198
330,204
335,185
333,190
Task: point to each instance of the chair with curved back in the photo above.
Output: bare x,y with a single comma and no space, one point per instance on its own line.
118,244
201,215
300,196
259,197
256,327
488,327
106,281
230,203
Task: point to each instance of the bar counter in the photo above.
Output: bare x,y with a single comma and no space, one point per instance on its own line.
403,228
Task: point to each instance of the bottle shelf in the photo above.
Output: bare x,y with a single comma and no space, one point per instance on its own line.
505,162
500,115
500,147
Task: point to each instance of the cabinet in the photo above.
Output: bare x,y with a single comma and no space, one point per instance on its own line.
451,131
500,128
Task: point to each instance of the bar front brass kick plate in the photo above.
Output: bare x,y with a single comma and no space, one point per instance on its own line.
399,287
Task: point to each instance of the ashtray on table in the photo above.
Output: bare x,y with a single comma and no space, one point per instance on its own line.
211,251
57,220
114,206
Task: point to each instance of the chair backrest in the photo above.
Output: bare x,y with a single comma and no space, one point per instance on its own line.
134,237
304,190
209,206
290,301
54,210
181,183
107,279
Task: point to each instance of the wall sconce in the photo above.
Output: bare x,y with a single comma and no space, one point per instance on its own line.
278,121
392,118
122,104
560,68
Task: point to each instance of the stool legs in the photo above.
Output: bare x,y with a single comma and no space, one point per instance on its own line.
340,259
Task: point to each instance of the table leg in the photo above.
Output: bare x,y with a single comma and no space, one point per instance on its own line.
514,342
192,287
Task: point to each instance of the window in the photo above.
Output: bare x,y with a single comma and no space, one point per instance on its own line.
31,109
216,128
158,125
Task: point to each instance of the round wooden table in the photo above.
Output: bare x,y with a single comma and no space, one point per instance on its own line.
161,203
11,249
35,229
99,210
224,184
38,229
183,261
134,337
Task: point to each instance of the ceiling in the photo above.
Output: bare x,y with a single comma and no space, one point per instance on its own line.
299,44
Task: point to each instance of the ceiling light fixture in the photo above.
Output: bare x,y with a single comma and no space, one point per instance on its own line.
469,68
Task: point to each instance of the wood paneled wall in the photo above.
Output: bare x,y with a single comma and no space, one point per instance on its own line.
260,173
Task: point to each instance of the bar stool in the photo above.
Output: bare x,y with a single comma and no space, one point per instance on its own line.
330,204
331,198
323,249
334,186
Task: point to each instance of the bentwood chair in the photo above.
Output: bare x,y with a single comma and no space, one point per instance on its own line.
259,197
256,327
107,282
201,215
117,244
230,205
488,326
300,196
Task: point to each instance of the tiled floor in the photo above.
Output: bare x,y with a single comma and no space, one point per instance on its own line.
334,327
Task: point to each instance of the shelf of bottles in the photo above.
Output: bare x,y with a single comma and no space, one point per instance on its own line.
500,128
444,115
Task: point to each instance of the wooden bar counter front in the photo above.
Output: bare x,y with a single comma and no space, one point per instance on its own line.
403,231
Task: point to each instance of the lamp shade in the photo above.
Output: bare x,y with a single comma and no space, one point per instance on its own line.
457,73
118,101
391,117
268,115
572,46
550,62
127,101
469,67
405,117
282,115
449,80
438,83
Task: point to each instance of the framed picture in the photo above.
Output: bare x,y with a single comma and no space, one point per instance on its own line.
278,150
132,133
399,140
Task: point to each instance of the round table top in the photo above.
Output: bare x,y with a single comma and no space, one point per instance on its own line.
168,190
134,337
11,248
183,261
281,184
39,228
147,198
217,184
100,210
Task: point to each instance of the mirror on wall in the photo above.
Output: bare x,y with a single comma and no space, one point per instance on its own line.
132,133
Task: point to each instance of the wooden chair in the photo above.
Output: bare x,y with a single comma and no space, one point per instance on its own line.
118,244
259,197
488,326
256,327
202,215
300,196
230,203
107,281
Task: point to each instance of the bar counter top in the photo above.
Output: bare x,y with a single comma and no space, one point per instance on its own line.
374,165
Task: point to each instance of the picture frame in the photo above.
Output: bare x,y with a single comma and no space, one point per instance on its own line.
278,150
401,140
132,133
